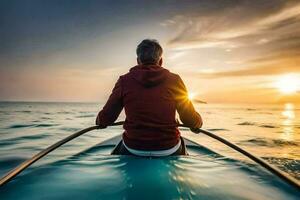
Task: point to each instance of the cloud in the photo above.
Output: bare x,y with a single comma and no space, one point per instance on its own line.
261,66
266,70
264,34
243,24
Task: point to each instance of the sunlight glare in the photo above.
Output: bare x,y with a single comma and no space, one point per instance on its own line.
288,115
191,95
288,84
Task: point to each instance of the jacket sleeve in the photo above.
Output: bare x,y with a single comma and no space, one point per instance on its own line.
187,113
112,108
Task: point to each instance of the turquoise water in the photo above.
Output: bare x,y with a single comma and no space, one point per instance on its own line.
94,174
272,132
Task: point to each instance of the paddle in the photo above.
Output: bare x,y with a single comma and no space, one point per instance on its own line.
284,176
11,174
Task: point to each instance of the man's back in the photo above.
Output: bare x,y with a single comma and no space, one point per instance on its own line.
150,108
150,95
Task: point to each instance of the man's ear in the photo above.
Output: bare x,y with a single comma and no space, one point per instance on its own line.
160,62
138,61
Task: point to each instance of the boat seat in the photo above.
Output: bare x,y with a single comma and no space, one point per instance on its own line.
121,150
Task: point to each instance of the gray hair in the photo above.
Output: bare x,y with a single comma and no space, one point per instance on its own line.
149,51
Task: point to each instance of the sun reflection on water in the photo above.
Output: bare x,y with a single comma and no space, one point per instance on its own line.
288,122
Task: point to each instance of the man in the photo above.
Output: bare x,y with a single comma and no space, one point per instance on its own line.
150,95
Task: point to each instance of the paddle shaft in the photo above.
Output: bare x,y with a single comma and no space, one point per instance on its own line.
284,176
11,174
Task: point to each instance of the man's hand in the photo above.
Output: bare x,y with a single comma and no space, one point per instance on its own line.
101,127
195,130
97,121
99,124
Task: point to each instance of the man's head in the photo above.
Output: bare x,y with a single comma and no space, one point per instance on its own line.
149,52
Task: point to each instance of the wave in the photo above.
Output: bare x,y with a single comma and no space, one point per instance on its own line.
21,125
246,124
284,142
267,126
255,124
269,142
291,166
23,111
256,141
64,112
45,118
32,137
7,163
7,142
15,140
70,129
46,125
266,113
84,116
16,126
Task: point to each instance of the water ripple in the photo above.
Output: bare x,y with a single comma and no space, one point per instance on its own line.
268,126
15,126
20,126
46,125
84,116
11,141
291,166
269,142
246,124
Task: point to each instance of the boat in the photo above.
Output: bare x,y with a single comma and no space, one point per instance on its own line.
96,174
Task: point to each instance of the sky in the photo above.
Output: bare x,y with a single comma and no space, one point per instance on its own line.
226,51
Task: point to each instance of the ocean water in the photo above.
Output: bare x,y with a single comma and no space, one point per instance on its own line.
94,174
269,131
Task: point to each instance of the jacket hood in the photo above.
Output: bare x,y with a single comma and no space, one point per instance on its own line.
149,75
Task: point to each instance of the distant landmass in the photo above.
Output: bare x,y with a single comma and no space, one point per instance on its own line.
200,101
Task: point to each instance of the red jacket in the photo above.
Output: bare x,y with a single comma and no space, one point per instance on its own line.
150,95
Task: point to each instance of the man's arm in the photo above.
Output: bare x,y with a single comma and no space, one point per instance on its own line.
112,108
187,113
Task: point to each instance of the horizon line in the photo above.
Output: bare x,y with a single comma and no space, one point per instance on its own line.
94,102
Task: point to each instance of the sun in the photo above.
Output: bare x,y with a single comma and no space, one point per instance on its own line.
191,96
288,84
